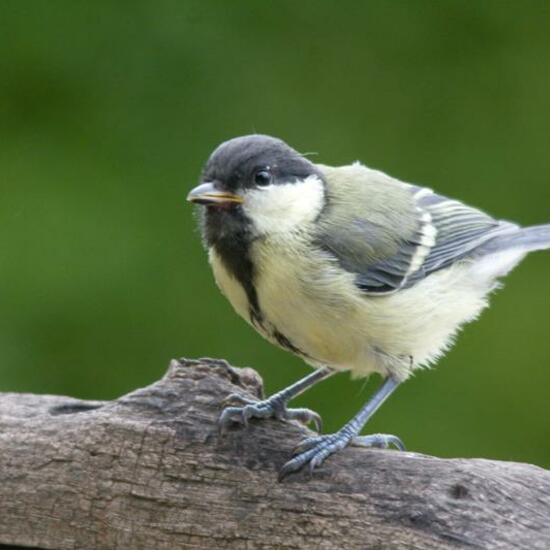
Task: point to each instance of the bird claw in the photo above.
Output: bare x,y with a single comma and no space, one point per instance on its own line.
272,407
304,416
306,445
314,450
378,441
236,399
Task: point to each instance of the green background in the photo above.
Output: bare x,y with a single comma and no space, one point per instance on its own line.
109,109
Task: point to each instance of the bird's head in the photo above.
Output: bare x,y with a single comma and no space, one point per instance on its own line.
260,185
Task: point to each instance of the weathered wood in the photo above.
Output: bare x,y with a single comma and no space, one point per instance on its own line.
149,471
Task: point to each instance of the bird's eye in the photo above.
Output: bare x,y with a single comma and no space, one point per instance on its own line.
262,177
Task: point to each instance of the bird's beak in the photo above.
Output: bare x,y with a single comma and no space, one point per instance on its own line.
206,193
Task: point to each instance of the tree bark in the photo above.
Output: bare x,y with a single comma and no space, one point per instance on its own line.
149,471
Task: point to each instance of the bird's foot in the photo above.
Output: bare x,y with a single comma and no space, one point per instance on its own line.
239,409
314,450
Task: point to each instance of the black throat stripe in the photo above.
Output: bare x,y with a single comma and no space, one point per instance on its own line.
235,255
234,251
228,232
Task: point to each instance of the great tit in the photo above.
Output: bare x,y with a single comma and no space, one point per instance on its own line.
348,268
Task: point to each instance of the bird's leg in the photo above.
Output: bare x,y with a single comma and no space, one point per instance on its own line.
274,406
314,450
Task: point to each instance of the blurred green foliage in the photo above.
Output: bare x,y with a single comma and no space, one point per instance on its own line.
109,109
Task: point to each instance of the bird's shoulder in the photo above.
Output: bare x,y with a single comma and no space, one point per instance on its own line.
357,190
391,234
367,214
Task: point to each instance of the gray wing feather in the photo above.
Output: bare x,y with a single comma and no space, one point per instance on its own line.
448,231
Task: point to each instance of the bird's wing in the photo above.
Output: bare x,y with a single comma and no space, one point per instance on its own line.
443,231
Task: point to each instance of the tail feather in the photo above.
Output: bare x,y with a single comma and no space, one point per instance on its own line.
527,239
498,256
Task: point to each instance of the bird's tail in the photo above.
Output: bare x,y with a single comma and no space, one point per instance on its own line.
527,239
502,253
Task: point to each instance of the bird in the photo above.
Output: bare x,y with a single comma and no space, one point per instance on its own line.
348,268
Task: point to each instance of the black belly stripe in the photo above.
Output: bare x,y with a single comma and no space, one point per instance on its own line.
235,255
228,233
242,268
285,343
237,261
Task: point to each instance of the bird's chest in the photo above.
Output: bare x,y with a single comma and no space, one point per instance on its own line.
230,285
300,307
267,300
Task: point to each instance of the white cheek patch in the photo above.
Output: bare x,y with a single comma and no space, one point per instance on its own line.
283,207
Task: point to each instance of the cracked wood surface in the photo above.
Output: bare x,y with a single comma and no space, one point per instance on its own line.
149,471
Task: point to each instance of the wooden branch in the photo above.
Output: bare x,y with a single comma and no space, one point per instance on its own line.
149,471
